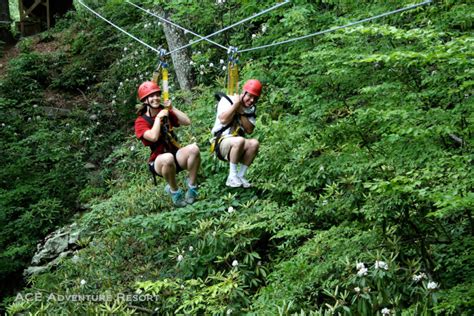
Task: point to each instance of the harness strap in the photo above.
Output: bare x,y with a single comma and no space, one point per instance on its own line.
249,114
217,149
219,96
235,121
170,136
151,168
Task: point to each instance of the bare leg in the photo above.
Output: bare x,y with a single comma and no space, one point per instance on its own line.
165,166
189,158
236,149
250,151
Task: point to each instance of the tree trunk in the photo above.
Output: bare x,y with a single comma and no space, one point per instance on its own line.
181,59
5,21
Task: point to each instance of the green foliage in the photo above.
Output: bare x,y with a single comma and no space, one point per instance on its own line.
13,6
363,184
39,180
44,153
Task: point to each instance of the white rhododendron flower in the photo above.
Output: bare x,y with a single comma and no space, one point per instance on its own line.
419,277
362,272
381,265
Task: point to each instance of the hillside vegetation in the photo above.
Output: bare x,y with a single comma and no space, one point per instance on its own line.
363,194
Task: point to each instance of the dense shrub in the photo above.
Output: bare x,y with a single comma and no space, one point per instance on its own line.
363,184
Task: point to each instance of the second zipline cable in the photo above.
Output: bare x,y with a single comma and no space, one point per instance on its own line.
337,28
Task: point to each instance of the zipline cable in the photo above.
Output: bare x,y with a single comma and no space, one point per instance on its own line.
337,28
176,25
247,19
230,26
118,28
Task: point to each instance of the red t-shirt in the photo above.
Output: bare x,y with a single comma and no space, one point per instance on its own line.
141,126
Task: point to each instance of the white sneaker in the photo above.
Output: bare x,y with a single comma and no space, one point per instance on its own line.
233,182
245,183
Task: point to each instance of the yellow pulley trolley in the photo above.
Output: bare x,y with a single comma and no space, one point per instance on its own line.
233,72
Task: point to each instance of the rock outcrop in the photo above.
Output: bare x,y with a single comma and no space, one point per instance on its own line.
56,246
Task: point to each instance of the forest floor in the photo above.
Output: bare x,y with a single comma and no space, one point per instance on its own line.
56,99
13,50
9,52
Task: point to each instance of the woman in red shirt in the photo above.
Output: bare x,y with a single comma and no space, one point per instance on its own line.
154,126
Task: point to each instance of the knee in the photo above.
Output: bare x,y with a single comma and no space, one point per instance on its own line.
194,150
166,160
254,144
238,142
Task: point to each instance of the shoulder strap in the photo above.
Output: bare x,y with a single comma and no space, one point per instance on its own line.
170,136
220,95
148,119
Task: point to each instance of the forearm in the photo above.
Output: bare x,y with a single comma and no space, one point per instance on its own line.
154,133
227,116
183,119
246,124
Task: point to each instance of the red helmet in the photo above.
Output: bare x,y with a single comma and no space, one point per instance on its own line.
147,88
253,86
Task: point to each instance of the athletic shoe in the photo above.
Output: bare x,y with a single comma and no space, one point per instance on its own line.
191,195
177,197
245,183
233,182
